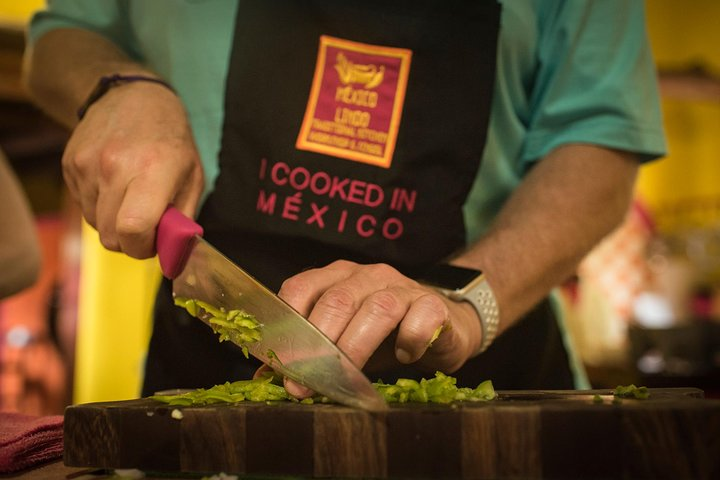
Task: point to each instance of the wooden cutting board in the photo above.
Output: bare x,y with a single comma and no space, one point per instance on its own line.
673,434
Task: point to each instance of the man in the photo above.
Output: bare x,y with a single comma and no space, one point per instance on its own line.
339,150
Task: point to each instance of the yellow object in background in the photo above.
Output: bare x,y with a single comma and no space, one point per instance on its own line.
683,190
684,33
117,294
18,12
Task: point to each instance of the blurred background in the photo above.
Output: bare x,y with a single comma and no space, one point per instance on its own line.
644,308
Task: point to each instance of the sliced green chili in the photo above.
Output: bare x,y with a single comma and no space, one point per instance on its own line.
257,390
435,335
234,324
273,357
631,391
440,389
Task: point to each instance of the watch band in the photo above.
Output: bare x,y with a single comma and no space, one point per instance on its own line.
486,304
481,296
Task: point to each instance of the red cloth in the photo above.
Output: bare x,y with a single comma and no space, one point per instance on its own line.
27,440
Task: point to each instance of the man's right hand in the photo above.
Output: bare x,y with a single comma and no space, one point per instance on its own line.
130,156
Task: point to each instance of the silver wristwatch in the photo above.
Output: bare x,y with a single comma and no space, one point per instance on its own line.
468,285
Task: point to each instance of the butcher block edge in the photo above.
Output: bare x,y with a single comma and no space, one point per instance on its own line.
523,434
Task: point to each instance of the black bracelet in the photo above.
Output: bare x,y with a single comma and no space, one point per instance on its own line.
110,81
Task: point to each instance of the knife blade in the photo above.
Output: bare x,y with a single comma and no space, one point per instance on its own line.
289,343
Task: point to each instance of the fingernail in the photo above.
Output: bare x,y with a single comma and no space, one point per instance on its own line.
403,356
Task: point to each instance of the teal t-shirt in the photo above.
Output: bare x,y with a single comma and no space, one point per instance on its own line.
567,72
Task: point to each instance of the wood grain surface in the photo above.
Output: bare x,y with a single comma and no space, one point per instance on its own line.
674,434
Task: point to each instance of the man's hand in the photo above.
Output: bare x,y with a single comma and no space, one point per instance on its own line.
359,306
131,155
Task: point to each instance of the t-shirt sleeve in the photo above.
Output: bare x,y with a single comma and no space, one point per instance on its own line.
597,82
108,18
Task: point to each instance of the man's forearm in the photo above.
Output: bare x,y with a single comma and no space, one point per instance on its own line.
64,65
567,203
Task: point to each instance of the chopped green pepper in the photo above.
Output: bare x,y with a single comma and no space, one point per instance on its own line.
236,324
435,335
256,390
273,356
631,391
440,389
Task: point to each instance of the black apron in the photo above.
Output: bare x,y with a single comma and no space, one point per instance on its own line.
353,130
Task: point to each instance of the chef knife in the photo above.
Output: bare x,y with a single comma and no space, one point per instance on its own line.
289,343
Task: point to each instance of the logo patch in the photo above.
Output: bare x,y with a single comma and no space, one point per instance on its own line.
356,101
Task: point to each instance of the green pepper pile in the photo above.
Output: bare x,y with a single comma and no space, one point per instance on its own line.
236,324
631,391
441,389
257,390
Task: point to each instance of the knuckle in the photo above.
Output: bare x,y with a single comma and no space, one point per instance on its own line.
68,162
383,304
135,237
357,350
109,241
382,270
131,227
434,312
342,265
337,299
138,248
80,163
433,305
108,160
294,287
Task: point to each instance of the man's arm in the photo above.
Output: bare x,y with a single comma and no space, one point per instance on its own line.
132,154
566,204
63,66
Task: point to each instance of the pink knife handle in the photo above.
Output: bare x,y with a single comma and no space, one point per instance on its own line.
174,241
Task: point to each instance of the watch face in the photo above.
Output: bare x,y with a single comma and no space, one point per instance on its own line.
449,277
